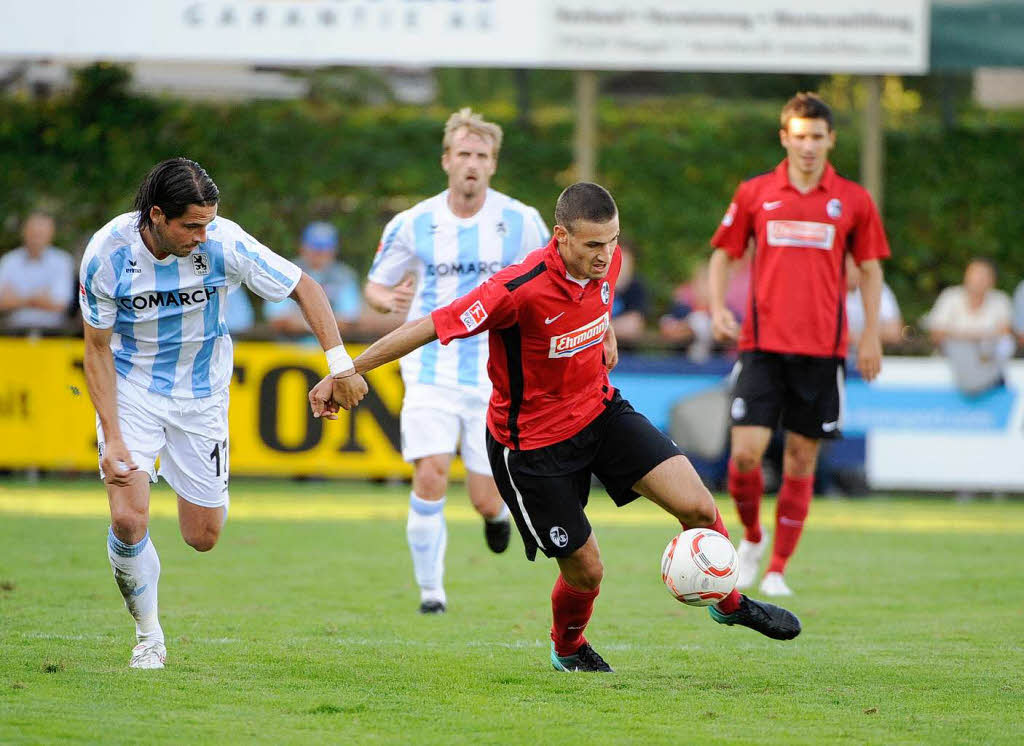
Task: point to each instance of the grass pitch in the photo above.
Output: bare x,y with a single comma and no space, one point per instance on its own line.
301,627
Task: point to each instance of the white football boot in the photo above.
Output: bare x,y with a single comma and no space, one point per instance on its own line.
750,555
773,584
149,655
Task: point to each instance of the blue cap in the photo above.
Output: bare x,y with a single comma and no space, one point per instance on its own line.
320,236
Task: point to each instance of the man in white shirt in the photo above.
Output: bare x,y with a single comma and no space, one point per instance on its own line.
890,321
36,279
971,324
158,360
430,255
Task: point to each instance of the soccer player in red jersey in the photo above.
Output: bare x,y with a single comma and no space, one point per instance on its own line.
803,218
554,419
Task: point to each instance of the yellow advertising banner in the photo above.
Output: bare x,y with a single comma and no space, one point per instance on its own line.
47,420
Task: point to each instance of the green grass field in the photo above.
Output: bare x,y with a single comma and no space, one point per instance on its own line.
301,627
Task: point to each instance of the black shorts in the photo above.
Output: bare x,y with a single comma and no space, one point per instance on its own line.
547,488
806,393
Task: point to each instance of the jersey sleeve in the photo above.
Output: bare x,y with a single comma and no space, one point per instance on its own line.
868,240
395,254
535,233
734,231
96,291
488,306
267,274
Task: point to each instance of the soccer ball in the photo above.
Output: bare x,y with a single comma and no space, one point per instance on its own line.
699,567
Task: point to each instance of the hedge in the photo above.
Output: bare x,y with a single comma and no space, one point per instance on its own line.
672,165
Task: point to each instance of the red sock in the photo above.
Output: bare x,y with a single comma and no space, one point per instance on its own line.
571,609
790,513
730,603
746,489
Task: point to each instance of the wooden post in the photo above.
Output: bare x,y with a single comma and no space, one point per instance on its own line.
585,141
872,150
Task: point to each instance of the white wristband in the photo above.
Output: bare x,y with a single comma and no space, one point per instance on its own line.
338,360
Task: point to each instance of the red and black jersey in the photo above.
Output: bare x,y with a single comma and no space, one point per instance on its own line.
546,352
798,278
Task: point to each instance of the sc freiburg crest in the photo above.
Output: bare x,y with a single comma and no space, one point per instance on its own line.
606,292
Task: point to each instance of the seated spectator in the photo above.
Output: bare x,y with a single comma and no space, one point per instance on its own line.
688,322
1018,312
37,280
629,311
317,258
890,321
971,324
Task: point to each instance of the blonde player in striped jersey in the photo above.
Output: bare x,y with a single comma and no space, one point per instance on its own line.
158,361
430,255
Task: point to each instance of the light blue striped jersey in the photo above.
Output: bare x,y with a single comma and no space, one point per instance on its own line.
170,334
450,256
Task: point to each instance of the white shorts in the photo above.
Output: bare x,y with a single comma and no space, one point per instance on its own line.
437,420
189,435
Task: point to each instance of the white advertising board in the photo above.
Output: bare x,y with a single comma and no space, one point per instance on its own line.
864,36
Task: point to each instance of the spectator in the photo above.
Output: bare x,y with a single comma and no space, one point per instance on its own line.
317,258
688,322
629,311
971,323
1018,312
37,279
240,315
890,321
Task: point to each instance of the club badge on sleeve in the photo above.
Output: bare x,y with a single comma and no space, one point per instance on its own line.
473,316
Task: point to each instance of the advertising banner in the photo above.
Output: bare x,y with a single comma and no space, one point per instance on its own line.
47,420
805,36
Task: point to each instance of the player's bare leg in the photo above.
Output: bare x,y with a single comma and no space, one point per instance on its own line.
426,530
486,499
200,526
799,459
136,566
572,603
746,485
675,486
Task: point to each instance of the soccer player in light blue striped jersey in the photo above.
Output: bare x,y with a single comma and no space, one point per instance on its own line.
431,254
158,359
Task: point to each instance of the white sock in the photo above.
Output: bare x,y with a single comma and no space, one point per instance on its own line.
501,517
137,572
428,537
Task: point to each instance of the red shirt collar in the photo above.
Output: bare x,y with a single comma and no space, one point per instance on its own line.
828,177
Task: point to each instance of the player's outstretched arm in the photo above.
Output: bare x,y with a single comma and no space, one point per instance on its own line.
101,381
403,340
312,300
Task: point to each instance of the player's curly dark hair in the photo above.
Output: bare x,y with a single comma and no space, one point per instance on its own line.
805,106
584,201
173,185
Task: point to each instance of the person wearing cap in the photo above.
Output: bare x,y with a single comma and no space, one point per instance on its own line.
318,259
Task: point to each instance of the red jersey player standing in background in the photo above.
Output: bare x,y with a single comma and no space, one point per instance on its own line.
804,219
554,419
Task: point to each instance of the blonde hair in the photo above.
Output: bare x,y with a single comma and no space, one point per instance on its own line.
475,123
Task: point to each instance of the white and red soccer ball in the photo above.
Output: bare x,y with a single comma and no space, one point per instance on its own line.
700,567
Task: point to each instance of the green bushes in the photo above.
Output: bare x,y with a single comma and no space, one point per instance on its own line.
672,168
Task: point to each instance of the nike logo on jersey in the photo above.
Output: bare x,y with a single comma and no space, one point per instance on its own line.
772,205
553,318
